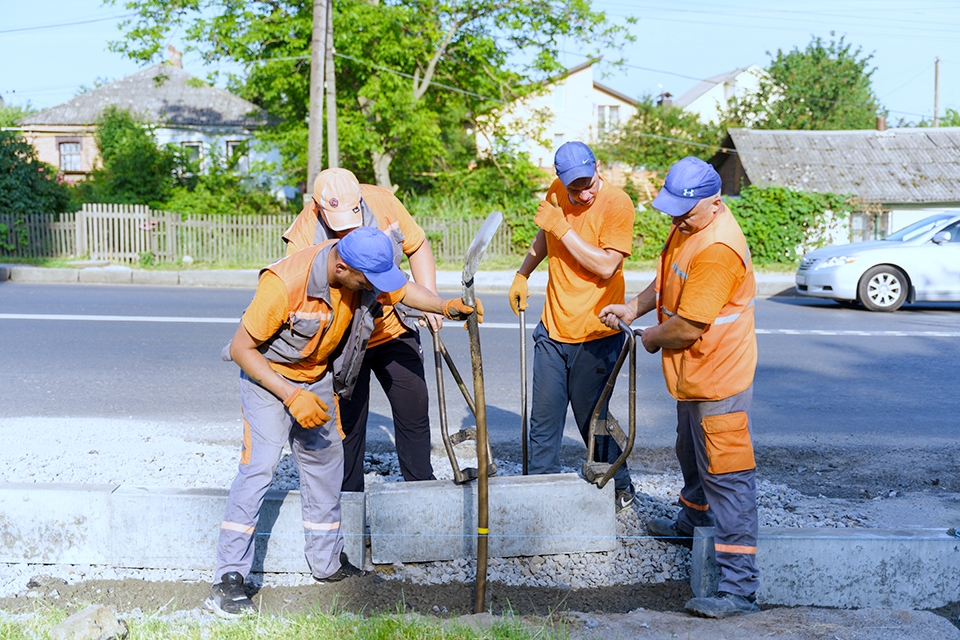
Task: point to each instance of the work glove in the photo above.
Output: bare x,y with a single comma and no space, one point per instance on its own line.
307,408
454,309
550,218
518,293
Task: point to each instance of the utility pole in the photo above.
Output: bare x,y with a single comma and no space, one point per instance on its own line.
936,92
318,54
333,143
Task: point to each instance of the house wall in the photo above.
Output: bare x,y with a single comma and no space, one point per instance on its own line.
709,105
217,137
46,139
569,108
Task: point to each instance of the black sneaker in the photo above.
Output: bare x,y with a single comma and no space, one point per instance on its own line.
669,531
623,498
228,599
345,571
722,605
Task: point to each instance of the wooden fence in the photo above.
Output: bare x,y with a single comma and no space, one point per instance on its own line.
129,233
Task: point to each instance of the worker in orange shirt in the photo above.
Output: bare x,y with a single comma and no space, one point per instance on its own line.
586,230
286,344
393,354
703,295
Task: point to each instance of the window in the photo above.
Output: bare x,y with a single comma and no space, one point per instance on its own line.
608,117
954,230
192,152
69,156
237,149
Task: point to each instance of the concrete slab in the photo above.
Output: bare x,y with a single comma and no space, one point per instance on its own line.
437,520
150,527
44,275
164,278
844,568
224,278
5,272
112,274
55,523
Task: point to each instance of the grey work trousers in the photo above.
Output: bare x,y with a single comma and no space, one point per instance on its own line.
726,501
318,453
570,373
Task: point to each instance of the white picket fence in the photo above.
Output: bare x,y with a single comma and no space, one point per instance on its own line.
129,233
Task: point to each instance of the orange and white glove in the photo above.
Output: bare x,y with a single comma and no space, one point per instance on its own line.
550,217
454,309
518,293
307,408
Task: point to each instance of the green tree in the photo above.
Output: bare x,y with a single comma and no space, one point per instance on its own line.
393,57
10,115
655,137
26,186
134,169
826,86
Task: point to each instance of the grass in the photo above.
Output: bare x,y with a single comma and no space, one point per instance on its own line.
306,625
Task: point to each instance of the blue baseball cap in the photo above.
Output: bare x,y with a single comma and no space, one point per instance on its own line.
573,161
370,251
688,181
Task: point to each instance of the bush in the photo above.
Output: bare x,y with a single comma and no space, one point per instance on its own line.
26,186
780,223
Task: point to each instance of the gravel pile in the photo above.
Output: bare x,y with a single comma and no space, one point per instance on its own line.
637,559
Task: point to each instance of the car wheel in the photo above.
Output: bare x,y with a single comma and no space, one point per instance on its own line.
883,288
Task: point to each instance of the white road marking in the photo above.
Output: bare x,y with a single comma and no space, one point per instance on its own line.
486,325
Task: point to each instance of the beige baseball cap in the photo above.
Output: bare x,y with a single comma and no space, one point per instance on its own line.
337,193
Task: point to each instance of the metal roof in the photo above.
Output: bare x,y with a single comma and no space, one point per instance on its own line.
892,166
161,94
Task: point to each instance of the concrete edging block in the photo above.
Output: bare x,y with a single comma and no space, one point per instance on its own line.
437,519
44,275
845,568
163,278
55,523
224,278
114,274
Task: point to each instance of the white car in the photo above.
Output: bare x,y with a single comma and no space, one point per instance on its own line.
920,262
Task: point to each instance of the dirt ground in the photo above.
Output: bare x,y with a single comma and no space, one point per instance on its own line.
909,486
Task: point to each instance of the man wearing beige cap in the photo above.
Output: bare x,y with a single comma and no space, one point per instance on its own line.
341,204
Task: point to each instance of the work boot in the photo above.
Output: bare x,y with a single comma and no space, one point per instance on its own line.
669,531
345,571
722,605
228,599
623,498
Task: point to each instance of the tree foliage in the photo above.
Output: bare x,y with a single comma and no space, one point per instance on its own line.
134,169
26,186
826,86
654,138
10,115
393,57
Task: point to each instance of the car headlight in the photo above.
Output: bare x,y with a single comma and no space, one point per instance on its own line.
835,261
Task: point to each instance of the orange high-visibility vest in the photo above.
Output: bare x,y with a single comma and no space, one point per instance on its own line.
722,361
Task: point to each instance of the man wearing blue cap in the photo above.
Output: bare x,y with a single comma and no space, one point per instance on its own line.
586,230
285,345
703,295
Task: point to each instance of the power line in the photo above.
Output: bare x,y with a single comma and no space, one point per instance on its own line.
66,24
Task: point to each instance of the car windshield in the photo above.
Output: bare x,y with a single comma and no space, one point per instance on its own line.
919,228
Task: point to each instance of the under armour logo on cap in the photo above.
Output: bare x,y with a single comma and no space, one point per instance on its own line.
686,192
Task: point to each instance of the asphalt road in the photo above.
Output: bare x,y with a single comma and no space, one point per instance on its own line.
826,374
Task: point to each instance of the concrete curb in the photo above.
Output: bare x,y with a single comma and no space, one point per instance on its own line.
843,568
768,284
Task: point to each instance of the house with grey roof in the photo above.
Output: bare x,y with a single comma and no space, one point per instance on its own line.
709,98
184,110
898,173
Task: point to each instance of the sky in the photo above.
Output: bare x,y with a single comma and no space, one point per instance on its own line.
52,48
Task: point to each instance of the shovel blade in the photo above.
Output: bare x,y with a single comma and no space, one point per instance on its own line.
479,245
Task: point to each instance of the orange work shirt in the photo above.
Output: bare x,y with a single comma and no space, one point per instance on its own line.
576,295
715,274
